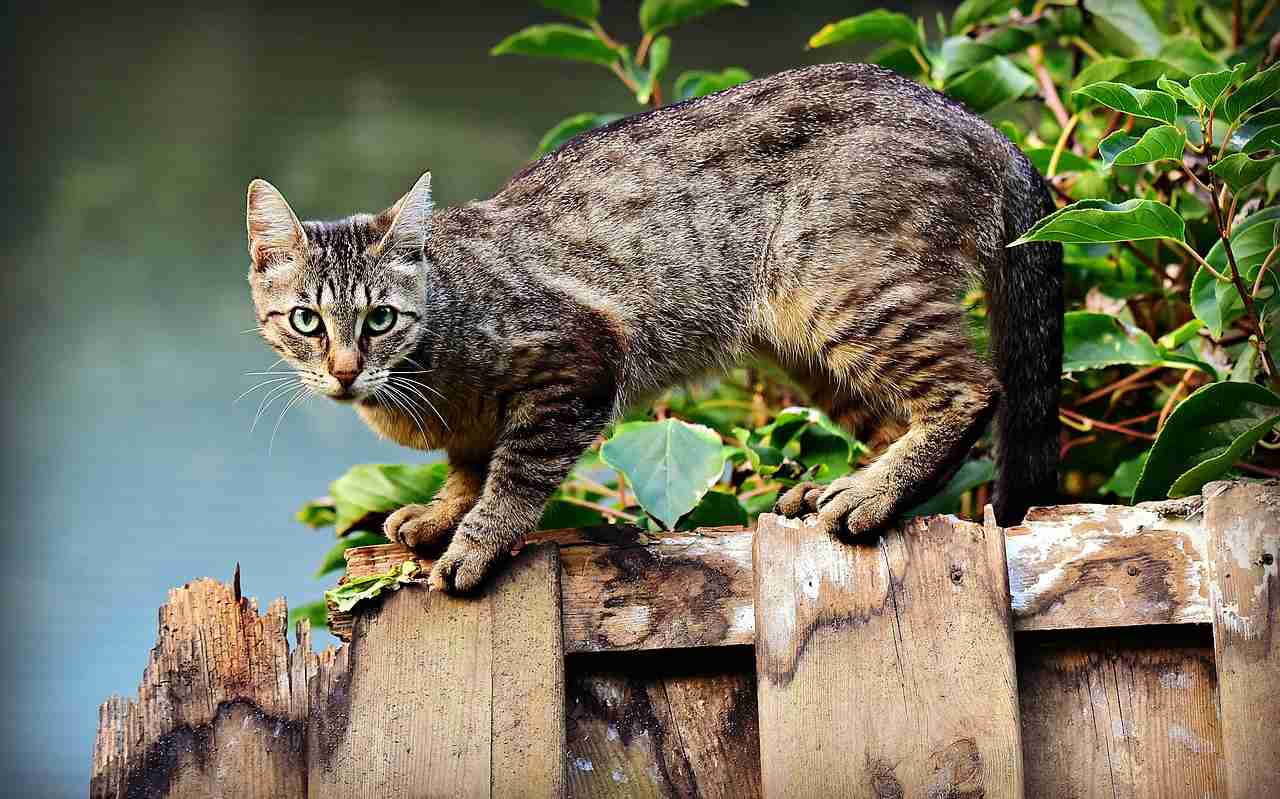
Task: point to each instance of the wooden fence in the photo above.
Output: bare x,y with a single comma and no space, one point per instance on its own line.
1094,651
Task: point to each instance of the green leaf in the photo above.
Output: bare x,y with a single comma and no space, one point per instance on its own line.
374,489
334,559
1206,435
1215,302
566,129
670,464
349,594
1239,170
1256,140
1210,86
874,26
582,10
1183,93
1097,340
971,12
1252,93
1068,161
561,515
317,514
992,84
1125,477
960,54
659,56
1163,142
557,41
898,58
1184,333
315,612
1187,53
968,477
1125,25
1097,221
1145,103
700,83
658,15
1130,71
716,509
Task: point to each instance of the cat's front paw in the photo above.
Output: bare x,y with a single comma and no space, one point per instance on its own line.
800,499
420,526
851,507
466,562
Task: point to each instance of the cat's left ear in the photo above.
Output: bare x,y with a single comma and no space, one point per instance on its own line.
274,230
410,220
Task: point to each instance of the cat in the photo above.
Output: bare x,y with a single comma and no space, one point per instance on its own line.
830,218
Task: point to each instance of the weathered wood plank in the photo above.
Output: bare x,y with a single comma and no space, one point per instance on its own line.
885,669
442,688
681,724
1118,720
222,707
1243,525
1076,566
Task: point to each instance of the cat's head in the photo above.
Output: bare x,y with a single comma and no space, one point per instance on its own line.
341,302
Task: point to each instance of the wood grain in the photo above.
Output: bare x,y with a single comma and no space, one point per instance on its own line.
222,707
677,725
885,670
1070,567
1116,719
1243,525
453,697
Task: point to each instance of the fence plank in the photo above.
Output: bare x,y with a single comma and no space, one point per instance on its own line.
1243,525
453,697
1116,720
888,669
222,706
1070,567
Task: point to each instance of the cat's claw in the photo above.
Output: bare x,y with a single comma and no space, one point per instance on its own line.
800,499
850,508
418,526
463,566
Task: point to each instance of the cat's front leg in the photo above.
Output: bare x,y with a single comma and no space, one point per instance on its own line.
427,527
541,442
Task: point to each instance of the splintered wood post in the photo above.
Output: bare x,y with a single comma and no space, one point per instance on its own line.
1242,521
453,697
887,669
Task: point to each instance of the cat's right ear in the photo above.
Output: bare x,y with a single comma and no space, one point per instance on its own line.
410,220
274,230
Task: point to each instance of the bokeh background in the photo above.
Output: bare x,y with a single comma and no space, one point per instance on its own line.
127,469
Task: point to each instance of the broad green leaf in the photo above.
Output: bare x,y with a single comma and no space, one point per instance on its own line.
317,613
717,509
700,83
1252,93
670,464
1145,103
1183,93
561,515
971,12
1096,341
317,514
658,15
1215,302
1206,435
760,503
1091,221
1187,53
960,53
347,595
373,489
994,83
1253,138
1125,25
835,453
582,10
557,41
1068,161
968,477
1125,477
1210,86
1130,71
1239,170
1163,142
874,26
899,58
334,559
566,129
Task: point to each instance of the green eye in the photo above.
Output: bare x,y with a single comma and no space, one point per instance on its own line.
306,321
380,320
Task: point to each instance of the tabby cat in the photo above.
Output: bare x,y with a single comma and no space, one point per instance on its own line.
831,218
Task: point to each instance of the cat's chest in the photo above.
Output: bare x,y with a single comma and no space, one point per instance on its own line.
407,430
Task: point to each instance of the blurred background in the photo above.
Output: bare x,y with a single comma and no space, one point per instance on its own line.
127,467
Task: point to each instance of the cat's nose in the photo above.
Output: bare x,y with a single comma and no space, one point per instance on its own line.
345,368
346,378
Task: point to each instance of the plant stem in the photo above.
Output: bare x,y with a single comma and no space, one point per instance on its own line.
608,40
1249,467
1085,424
1062,144
1173,400
1191,251
1051,98
622,76
1262,270
1118,384
605,510
1087,48
1262,15
1237,23
643,50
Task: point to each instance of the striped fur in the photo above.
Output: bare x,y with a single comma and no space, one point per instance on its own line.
830,218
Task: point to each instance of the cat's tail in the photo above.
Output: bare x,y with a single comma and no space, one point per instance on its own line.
1025,310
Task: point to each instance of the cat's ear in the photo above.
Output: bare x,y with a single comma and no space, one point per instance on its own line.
274,230
410,220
